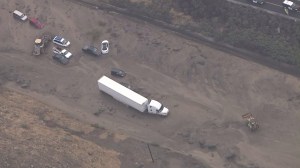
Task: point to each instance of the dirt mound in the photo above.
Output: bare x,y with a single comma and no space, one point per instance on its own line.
27,131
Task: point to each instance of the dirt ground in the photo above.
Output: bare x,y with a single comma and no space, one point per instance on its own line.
206,91
36,135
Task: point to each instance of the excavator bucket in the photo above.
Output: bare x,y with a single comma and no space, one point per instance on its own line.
38,41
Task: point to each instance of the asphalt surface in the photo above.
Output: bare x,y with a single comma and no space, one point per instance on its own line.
273,6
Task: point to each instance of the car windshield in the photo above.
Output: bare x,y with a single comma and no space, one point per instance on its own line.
63,41
104,46
161,108
115,70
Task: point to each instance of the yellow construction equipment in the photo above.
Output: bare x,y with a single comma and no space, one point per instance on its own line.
40,44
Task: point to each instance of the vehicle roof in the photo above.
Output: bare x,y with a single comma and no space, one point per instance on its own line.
122,90
18,12
33,19
288,2
155,104
92,47
89,47
116,69
58,38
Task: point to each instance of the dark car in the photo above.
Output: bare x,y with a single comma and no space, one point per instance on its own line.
36,23
61,59
91,50
258,1
290,5
118,72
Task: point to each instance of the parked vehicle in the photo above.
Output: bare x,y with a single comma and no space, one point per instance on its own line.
251,121
104,47
260,2
290,5
64,52
61,41
61,59
131,98
36,23
91,50
40,44
117,72
19,15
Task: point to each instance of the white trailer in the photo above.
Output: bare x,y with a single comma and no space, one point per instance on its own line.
131,98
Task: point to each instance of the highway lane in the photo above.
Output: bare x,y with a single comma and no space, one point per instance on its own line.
273,6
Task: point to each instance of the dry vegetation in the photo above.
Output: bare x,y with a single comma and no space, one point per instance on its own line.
243,27
30,129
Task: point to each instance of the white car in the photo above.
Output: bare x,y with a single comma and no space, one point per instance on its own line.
290,5
19,15
104,47
61,41
63,52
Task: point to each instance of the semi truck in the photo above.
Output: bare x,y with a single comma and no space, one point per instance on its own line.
131,98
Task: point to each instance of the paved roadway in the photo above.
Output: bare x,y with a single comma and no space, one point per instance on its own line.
271,6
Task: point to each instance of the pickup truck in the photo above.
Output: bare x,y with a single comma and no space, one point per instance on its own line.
64,52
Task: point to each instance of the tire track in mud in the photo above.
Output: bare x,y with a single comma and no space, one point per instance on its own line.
196,37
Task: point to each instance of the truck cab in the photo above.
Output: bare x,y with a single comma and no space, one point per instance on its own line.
290,5
154,107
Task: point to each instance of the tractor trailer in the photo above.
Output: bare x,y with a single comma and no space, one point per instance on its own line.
131,98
